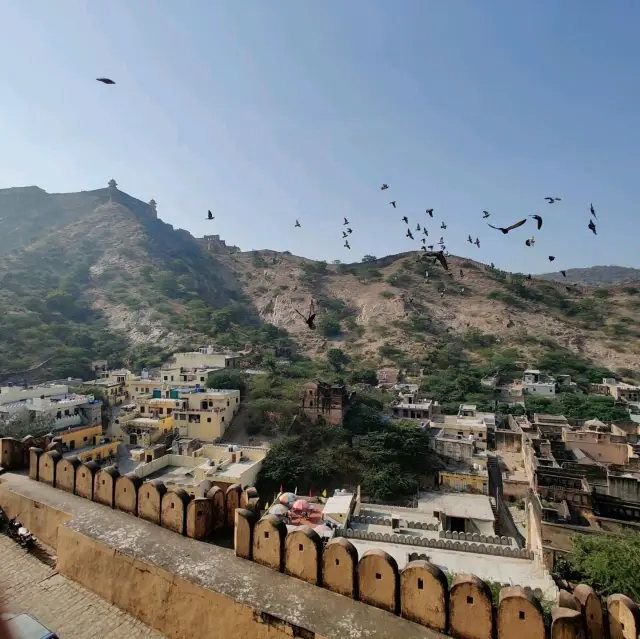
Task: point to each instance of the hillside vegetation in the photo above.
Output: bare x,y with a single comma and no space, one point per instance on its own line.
91,275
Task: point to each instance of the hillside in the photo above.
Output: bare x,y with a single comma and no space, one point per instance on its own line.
596,275
95,275
389,309
104,280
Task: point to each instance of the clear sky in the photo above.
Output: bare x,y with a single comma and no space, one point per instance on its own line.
265,111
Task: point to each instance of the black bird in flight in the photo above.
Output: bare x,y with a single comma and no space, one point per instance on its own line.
346,244
312,316
424,248
508,228
405,219
564,273
105,80
551,200
429,212
592,227
528,242
210,215
441,240
470,240
443,226
344,235
346,221
349,231
424,240
485,215
593,212
424,230
477,242
538,219
439,255
384,187
297,224
551,258
430,247
409,233
418,227
393,204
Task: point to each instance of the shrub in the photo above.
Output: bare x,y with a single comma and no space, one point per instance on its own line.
387,294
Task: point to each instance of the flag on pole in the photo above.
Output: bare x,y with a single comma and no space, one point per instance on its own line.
266,506
324,492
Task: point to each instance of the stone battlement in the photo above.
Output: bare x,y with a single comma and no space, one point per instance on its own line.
420,591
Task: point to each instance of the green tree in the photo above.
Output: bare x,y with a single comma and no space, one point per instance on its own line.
329,325
22,424
608,563
337,358
367,259
229,379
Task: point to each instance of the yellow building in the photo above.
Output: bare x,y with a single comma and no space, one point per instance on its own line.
80,436
113,385
470,482
144,431
198,414
96,453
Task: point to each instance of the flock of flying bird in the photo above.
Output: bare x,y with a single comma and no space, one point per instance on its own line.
429,252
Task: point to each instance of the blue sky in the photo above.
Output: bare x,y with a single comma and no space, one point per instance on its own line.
270,110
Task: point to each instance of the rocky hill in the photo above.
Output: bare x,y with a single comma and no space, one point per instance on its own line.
96,275
596,275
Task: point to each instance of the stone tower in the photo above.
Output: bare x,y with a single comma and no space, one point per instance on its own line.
153,209
113,187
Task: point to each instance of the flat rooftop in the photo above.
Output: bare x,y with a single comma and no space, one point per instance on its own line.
465,505
505,570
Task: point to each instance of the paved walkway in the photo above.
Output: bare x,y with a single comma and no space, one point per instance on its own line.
73,612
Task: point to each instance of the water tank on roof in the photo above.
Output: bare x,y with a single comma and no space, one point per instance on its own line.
145,374
156,393
197,387
173,393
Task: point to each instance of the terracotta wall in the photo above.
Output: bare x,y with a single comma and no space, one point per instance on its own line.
199,517
419,592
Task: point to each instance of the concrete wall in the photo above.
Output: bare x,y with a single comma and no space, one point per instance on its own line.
420,593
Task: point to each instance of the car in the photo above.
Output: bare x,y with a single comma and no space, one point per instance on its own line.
24,626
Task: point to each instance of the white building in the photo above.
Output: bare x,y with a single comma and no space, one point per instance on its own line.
536,383
204,357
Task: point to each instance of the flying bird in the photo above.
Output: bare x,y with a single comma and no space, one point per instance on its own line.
441,240
508,228
485,215
384,187
551,258
346,244
477,242
593,212
349,231
418,227
409,233
424,230
443,226
430,247
592,227
405,219
346,221
528,242
105,80
439,256
312,316
429,212
344,235
210,215
424,248
538,219
297,224
551,200
424,240
393,204
564,273
470,240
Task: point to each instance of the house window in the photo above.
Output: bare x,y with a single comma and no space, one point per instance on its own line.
222,420
166,378
209,420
